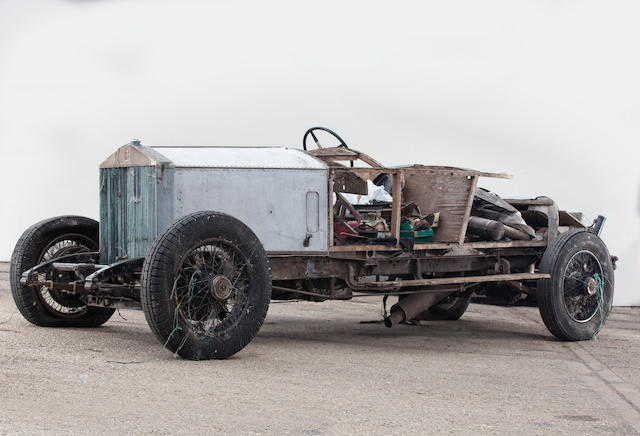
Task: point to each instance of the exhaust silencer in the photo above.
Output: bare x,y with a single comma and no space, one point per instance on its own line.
410,307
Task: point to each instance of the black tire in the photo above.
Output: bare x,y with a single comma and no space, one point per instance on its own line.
450,309
177,281
575,302
51,238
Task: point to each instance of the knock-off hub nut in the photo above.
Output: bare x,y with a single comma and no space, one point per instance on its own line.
221,287
592,286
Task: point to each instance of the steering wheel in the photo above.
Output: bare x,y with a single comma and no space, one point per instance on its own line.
315,138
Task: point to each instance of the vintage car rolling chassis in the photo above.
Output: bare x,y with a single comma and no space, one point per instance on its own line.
202,238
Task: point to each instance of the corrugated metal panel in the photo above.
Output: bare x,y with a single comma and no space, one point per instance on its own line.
240,157
128,216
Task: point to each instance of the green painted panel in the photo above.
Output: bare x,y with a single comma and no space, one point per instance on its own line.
127,212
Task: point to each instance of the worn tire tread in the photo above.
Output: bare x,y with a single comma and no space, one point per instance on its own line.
154,280
24,257
551,314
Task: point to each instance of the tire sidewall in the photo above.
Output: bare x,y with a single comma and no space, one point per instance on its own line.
26,255
159,273
552,295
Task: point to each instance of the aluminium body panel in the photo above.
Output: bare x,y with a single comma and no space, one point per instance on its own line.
240,157
281,194
281,206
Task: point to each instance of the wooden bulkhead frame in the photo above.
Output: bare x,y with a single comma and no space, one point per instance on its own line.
431,181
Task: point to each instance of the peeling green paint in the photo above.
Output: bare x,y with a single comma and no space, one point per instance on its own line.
128,219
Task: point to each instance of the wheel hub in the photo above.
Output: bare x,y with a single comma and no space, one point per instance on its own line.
592,286
221,288
580,286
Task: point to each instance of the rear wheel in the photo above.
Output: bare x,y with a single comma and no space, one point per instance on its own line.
575,302
48,240
206,286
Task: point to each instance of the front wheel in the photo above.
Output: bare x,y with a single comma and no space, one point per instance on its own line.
45,241
206,286
575,302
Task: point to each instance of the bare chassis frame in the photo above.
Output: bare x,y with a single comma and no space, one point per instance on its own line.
430,267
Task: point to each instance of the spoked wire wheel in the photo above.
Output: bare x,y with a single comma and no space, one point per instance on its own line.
45,241
582,286
205,286
576,300
211,287
62,304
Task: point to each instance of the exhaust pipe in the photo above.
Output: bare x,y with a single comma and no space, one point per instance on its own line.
493,230
490,229
411,306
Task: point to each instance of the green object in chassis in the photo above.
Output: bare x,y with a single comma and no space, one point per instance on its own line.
420,236
131,204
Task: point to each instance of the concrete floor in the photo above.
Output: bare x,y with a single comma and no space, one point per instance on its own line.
321,368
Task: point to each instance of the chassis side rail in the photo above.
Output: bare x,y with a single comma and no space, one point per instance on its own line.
126,266
452,280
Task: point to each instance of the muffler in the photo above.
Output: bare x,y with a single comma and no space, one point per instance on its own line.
408,308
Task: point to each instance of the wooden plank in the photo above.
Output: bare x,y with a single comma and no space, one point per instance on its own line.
338,157
366,173
396,208
297,254
467,212
454,171
374,171
334,152
482,244
461,280
529,202
566,219
440,246
363,247
495,175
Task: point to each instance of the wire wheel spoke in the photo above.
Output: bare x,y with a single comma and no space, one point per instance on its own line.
211,287
583,286
57,302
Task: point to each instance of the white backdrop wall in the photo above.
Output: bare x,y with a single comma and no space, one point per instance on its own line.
545,90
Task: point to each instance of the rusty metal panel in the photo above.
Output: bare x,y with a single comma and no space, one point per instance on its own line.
272,202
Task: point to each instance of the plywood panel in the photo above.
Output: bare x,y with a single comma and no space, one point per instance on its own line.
441,191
